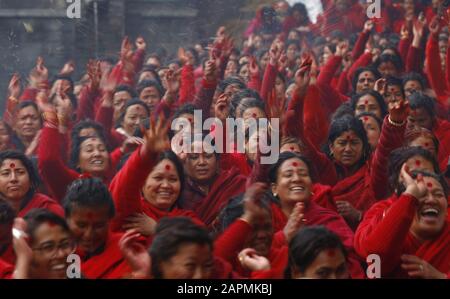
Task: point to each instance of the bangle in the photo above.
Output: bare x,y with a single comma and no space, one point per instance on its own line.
396,124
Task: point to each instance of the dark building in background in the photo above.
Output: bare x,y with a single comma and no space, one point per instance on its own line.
29,28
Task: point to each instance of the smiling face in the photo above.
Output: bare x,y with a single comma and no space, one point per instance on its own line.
94,157
328,264
51,246
372,129
28,123
368,103
347,149
293,183
133,118
366,82
14,180
431,214
150,96
163,186
89,227
420,118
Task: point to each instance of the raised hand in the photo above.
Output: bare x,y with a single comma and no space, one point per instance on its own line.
295,222
404,32
182,56
95,74
380,86
368,26
210,73
399,112
68,68
156,137
415,187
434,26
22,249
130,144
253,67
342,48
39,75
252,207
14,86
302,77
251,261
136,254
274,54
222,107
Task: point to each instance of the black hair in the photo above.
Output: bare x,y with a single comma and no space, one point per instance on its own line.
394,59
36,217
283,157
170,234
187,108
130,103
86,124
150,83
231,80
399,156
414,77
370,114
30,168
378,97
245,103
90,193
349,123
151,69
420,100
66,78
361,70
343,109
126,88
7,213
307,244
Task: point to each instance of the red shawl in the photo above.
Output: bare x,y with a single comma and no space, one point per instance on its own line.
226,185
109,264
42,201
6,270
442,132
317,215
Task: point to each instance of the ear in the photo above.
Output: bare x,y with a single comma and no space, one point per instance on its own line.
273,187
330,147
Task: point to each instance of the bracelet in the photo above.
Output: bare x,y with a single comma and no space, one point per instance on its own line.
396,124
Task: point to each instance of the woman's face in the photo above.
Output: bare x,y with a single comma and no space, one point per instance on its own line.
192,261
94,157
261,236
366,82
368,103
134,116
150,96
28,123
372,129
291,52
347,149
200,165
411,86
387,69
244,73
328,264
293,183
431,214
280,88
51,247
231,69
14,180
426,143
119,101
163,186
5,140
89,227
393,96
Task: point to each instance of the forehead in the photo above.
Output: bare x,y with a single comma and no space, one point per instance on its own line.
412,83
150,90
419,163
92,141
136,108
419,113
366,119
201,252
49,231
88,132
294,162
122,94
200,146
365,74
83,213
8,163
347,134
27,110
165,166
368,98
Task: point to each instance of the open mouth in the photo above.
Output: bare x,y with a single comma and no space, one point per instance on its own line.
429,214
59,267
97,162
164,194
297,189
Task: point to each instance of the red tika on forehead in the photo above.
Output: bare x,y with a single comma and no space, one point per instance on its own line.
51,224
429,185
426,144
292,148
295,164
331,252
12,165
365,118
418,162
366,102
254,114
167,167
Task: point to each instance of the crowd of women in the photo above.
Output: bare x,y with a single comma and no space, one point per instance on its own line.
86,167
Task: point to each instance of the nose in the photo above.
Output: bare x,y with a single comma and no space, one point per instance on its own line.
13,176
348,147
88,234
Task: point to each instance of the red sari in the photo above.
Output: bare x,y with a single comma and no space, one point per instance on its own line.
317,215
6,270
108,264
385,230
